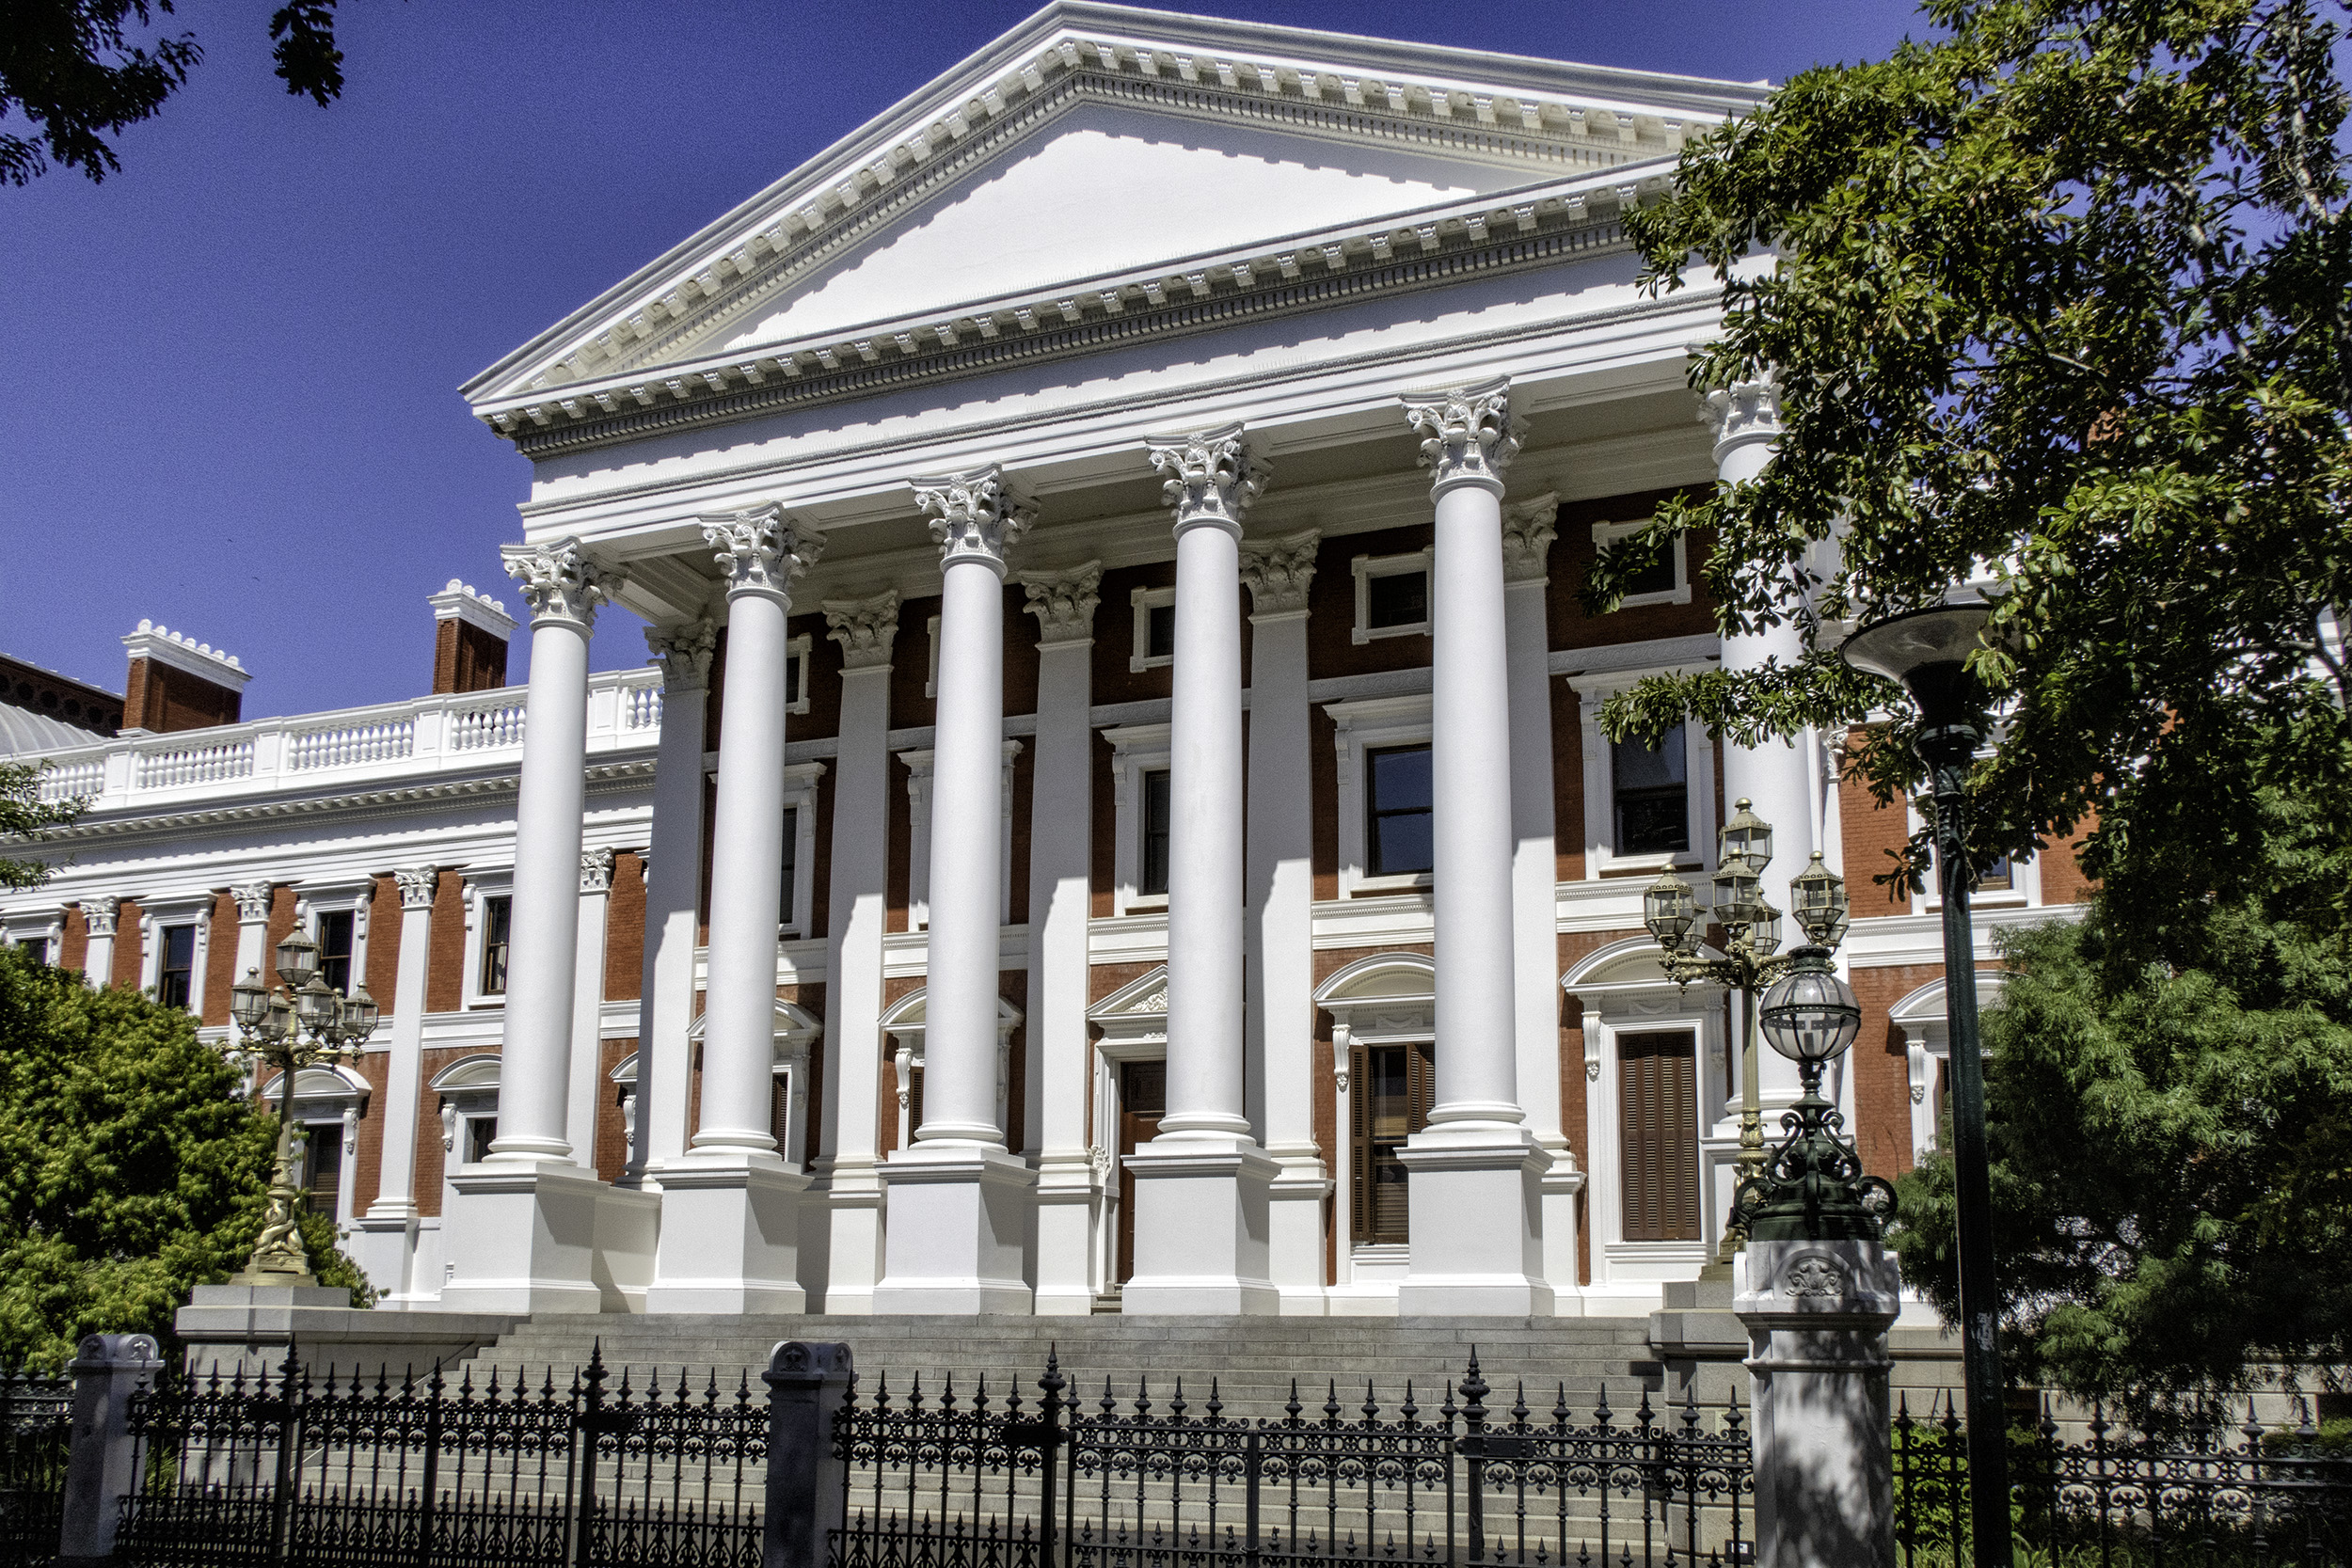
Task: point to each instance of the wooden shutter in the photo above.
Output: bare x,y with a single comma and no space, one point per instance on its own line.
1380,1210
780,1112
1658,1123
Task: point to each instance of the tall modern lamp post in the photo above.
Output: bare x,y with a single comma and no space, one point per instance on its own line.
1750,958
1927,652
293,1025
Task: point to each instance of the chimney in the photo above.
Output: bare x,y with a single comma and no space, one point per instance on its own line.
177,683
469,635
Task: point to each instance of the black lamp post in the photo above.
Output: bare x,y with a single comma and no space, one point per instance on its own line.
1927,652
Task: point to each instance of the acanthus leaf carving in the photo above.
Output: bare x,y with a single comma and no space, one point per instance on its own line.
98,915
1064,603
865,628
1467,434
1212,477
1528,531
974,515
417,884
253,900
1279,572
557,580
684,652
761,550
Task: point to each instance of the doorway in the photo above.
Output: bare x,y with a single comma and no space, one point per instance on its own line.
1658,1112
1142,1100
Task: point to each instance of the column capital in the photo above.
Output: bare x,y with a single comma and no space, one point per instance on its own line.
253,901
865,628
976,516
683,651
1212,477
98,915
1279,572
1064,604
1528,531
1741,415
417,884
761,550
595,871
558,581
1467,434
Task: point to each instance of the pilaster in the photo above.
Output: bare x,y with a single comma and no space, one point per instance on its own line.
389,1227
665,1008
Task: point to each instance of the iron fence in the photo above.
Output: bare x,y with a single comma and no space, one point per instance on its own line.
289,1471
2218,1496
982,1480
36,1425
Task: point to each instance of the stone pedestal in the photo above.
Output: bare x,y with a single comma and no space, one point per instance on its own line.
1201,1200
1068,1196
1476,1250
246,1329
1817,1315
730,1236
547,1237
955,1217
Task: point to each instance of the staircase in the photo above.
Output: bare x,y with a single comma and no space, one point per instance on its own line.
1252,1360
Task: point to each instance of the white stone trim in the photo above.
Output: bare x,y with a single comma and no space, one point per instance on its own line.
902,1025
1143,601
1370,724
483,883
1386,1017
1606,534
314,898
183,652
1925,1028
1365,568
797,1030
800,798
796,651
1600,855
462,601
1136,750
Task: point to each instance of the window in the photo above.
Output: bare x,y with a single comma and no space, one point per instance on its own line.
1396,1087
35,951
497,921
795,674
1665,580
1154,628
2000,877
1652,796
480,1133
175,966
791,865
1391,595
1658,1100
1152,875
323,1168
780,1111
334,940
1398,816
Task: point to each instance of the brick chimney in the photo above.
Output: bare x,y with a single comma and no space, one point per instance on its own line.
177,683
469,635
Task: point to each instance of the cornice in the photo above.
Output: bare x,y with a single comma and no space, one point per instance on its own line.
1498,108
1444,248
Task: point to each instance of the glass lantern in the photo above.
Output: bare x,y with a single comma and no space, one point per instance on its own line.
1747,839
1763,933
297,960
248,1001
1669,909
317,1006
1738,893
1809,1016
359,1015
1818,897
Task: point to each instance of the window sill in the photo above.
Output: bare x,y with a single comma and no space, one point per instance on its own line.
1137,666
1362,635
1648,865
1672,595
1375,887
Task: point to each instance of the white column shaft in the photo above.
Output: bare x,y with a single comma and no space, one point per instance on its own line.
1281,881
966,872
253,950
395,1191
672,898
588,1080
1471,820
850,1145
1535,953
746,880
544,928
1061,802
1206,1089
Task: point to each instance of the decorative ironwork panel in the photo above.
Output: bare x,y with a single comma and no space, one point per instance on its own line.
36,1421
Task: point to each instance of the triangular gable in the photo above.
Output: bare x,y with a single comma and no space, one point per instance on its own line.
1090,139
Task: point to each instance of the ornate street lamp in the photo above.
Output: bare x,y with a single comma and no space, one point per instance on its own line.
1751,954
1927,652
1812,1187
290,1026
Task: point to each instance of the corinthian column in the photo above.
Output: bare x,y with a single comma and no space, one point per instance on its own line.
1476,1203
1281,921
390,1222
849,1158
521,1235
665,1009
587,1090
1069,1192
98,956
730,1226
957,1198
1201,1185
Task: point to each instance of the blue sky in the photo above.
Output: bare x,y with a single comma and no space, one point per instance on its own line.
228,375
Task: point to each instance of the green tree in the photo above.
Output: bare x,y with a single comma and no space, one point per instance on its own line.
132,1168
2063,293
73,70
25,818
2171,1140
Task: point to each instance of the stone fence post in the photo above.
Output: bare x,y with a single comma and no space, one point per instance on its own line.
101,1468
1817,1314
806,1384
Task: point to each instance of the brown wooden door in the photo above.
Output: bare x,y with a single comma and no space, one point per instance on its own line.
1389,1095
1142,1100
1658,1123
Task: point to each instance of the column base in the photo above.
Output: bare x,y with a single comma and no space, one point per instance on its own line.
730,1236
954,1222
1068,1196
1295,1249
1562,1271
545,1236
1200,1229
853,1194
384,1244
1475,1216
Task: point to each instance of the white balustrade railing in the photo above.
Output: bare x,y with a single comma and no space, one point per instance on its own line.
350,745
396,741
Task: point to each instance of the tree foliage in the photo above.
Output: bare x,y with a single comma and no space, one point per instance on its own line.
24,817
2171,1139
74,71
2062,295
131,1167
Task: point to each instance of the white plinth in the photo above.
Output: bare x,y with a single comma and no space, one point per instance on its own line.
1067,1196
544,1236
730,1236
1201,1228
953,1228
1817,1315
1476,1206
1295,1257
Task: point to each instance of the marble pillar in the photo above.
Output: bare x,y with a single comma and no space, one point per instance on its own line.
388,1229
665,1007
585,1098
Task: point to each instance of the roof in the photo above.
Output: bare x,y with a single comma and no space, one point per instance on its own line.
24,733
